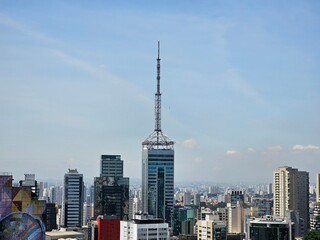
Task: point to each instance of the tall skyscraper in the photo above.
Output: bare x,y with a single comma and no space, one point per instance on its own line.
158,166
72,200
291,192
111,189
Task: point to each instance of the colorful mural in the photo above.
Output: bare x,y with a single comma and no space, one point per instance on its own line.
5,195
21,226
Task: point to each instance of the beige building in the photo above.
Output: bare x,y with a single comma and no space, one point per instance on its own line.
291,192
318,188
236,217
211,228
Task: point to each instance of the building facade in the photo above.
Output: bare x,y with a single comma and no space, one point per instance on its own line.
318,188
111,189
291,192
143,227
72,201
211,230
269,227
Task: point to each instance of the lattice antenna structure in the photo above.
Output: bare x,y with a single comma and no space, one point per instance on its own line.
157,139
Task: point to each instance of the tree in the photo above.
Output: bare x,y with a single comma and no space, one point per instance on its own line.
312,235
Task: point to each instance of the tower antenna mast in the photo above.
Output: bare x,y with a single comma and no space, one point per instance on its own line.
157,109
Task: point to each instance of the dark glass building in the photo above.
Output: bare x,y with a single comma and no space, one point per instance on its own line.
111,189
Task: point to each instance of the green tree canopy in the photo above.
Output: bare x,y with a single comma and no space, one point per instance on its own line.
312,235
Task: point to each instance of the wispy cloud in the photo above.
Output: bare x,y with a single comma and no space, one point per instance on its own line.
189,143
24,29
251,149
276,148
232,152
233,78
300,148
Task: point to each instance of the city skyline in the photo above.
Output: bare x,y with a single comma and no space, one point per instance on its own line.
239,82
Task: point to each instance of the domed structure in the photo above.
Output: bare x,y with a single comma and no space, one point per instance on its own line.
21,226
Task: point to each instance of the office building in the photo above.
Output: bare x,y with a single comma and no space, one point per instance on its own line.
51,216
291,192
158,166
211,229
269,227
111,189
183,220
72,201
111,166
263,206
144,227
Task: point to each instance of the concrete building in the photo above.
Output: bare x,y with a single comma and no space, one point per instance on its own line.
211,229
144,227
291,192
72,202
237,215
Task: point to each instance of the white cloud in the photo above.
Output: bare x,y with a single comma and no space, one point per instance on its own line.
189,143
251,149
276,148
232,152
310,147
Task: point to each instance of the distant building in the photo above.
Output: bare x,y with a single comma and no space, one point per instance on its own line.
51,216
264,206
237,215
144,227
315,218
183,220
211,230
111,189
30,181
72,203
269,227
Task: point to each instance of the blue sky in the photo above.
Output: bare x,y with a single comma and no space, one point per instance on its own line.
239,80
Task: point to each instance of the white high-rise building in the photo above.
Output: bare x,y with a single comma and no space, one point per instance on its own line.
72,201
143,227
291,192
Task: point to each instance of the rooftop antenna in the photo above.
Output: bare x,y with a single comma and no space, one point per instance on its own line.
157,108
158,140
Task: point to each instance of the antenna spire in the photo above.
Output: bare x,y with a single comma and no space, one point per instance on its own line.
158,140
158,97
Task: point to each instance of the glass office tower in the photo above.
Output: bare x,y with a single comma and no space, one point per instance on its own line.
158,166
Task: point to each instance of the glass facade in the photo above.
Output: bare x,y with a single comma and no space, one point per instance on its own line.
72,206
274,231
158,182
